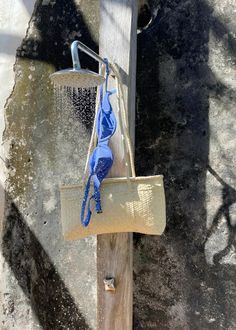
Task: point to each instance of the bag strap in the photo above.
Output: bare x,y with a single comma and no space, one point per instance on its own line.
124,126
93,138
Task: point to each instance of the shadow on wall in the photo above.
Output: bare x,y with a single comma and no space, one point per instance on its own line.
59,23
52,28
174,286
228,199
56,25
35,273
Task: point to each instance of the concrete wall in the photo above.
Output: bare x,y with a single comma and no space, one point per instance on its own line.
185,129
45,283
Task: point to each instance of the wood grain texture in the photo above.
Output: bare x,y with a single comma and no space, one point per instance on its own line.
118,28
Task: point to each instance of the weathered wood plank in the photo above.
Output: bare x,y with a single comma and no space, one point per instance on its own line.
117,42
114,259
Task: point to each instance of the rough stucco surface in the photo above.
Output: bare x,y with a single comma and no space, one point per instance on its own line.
46,283
185,129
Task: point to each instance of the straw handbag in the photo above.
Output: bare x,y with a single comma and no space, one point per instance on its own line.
130,204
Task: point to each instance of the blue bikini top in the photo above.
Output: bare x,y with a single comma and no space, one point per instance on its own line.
101,159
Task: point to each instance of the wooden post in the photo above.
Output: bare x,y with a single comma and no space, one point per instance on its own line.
118,30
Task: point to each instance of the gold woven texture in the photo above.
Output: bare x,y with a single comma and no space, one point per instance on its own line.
135,205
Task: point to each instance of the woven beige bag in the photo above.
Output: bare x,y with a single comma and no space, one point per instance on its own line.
129,204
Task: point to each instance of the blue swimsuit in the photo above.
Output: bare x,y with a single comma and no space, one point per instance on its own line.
101,159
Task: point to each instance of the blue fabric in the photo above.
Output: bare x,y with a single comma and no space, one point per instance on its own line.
101,159
106,123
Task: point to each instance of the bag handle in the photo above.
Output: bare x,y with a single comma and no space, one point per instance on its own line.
93,139
124,123
123,120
